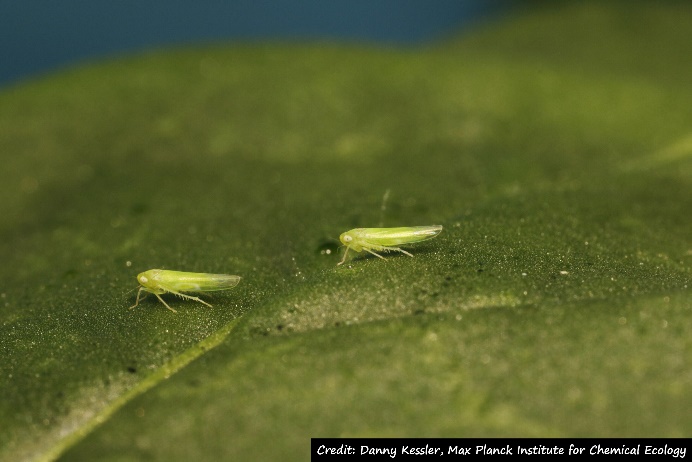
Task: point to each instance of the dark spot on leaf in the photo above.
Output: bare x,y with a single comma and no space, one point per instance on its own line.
70,273
131,369
139,208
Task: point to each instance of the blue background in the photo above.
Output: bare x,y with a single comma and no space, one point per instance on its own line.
37,36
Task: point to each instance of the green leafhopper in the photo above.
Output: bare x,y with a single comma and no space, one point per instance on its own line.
386,239
158,281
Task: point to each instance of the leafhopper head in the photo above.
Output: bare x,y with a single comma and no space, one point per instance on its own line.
347,239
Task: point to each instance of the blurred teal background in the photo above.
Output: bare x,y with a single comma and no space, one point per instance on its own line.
37,36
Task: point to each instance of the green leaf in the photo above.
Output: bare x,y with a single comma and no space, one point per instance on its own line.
555,147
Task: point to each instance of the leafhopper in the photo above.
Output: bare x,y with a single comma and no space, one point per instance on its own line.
386,239
158,281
